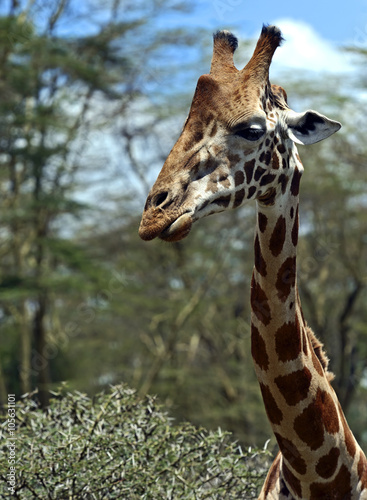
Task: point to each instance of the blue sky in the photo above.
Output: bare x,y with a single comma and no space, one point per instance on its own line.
332,23
339,21
313,30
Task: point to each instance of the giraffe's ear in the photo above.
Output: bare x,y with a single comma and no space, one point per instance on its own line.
310,127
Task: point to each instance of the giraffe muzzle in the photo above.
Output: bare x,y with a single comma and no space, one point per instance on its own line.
176,229
164,215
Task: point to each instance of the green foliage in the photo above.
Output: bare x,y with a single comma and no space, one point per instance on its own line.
116,445
58,84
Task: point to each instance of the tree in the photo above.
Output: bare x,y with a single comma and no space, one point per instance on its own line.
116,445
52,88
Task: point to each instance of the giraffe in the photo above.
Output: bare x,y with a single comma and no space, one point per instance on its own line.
239,144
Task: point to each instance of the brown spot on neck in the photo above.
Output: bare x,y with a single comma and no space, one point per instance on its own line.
267,179
265,157
260,263
281,148
283,181
278,237
293,483
291,454
288,341
239,178
320,416
251,192
259,303
294,386
263,222
340,487
258,349
238,199
259,172
296,179
286,278
249,170
326,466
272,410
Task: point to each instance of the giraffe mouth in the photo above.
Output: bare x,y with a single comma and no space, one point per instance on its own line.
165,230
178,230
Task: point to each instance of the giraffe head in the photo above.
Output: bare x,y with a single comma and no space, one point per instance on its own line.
237,144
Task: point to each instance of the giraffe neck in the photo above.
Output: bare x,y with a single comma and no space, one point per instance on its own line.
318,451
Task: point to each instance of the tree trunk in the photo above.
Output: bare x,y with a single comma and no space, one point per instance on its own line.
40,360
25,351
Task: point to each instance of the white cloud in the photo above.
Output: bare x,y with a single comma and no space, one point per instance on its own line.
305,49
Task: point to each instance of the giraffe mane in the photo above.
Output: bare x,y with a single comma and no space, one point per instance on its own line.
318,348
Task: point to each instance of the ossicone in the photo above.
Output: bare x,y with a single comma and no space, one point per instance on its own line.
272,32
225,43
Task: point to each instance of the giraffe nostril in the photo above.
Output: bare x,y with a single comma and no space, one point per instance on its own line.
160,198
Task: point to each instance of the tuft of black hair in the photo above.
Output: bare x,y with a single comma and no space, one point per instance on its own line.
273,31
228,36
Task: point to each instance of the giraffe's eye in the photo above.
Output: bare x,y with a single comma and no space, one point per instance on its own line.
253,133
